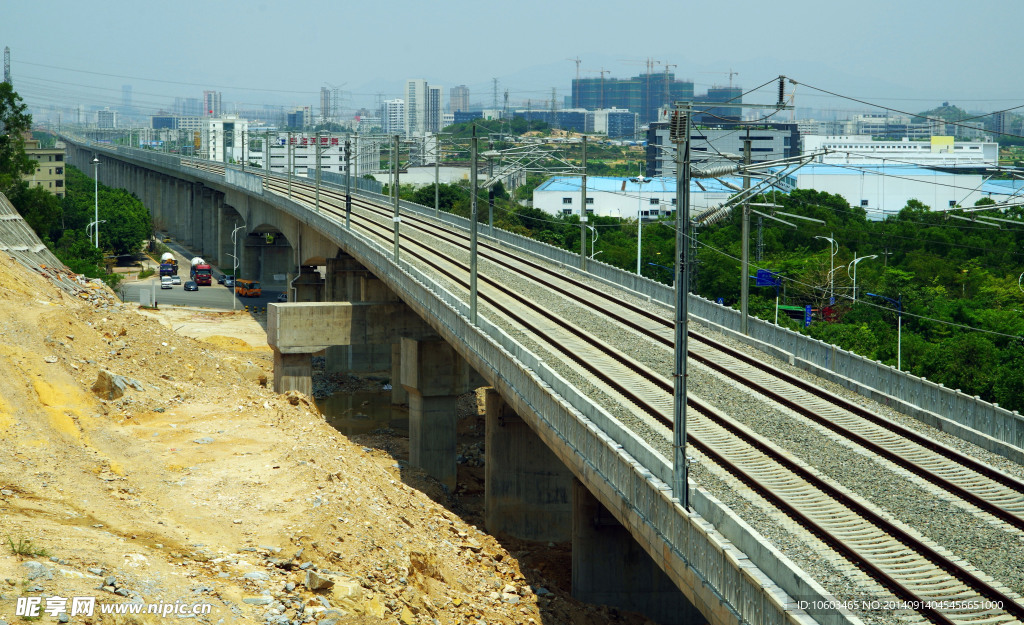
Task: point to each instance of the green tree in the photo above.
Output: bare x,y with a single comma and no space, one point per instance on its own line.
14,120
40,209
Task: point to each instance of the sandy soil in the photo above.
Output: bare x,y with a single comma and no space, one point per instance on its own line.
197,484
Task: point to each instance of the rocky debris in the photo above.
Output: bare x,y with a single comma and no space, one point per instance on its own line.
37,570
317,582
136,508
471,455
111,386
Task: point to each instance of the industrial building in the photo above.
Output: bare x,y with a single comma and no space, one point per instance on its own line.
883,190
609,196
768,142
936,151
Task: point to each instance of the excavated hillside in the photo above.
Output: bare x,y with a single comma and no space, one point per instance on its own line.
140,466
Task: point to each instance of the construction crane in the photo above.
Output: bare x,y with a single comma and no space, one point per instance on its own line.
576,90
729,73
602,71
649,110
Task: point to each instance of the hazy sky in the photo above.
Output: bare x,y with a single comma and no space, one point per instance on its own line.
910,55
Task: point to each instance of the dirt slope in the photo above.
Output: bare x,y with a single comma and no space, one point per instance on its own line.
200,485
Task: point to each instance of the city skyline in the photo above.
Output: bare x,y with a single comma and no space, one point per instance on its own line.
908,59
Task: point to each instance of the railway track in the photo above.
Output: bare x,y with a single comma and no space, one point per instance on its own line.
917,574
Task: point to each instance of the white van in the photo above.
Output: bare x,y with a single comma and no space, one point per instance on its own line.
166,282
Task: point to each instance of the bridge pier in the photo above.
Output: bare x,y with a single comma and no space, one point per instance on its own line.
434,375
527,489
308,285
348,281
293,372
609,567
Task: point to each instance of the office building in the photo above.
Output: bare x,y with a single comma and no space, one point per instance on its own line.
643,94
223,138
49,172
768,142
326,113
299,118
106,119
459,99
422,107
616,124
572,120
211,103
392,117
302,154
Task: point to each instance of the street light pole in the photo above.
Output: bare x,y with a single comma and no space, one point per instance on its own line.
898,303
640,181
831,267
583,209
234,274
854,265
96,192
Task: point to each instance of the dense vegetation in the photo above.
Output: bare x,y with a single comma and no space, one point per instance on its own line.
61,223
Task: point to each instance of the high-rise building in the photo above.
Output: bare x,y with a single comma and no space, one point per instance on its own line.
392,117
325,105
211,103
435,105
422,107
106,118
459,99
299,118
642,94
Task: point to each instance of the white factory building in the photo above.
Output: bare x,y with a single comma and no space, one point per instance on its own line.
939,151
625,198
883,190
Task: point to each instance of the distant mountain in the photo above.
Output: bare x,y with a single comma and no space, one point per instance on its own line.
948,112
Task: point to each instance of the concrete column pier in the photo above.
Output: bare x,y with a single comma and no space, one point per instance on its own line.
527,489
609,567
434,375
399,395
293,372
347,280
309,285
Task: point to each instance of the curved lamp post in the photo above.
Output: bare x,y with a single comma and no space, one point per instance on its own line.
898,303
853,264
96,192
832,268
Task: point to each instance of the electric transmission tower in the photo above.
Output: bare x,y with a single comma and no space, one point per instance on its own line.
7,65
554,109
